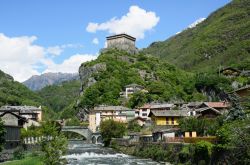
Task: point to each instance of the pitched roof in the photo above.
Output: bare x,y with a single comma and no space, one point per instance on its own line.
155,106
145,106
16,115
134,85
220,104
242,88
111,108
161,106
229,68
21,108
208,108
139,118
170,113
120,36
194,104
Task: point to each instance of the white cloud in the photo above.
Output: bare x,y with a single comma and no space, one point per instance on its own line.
58,49
19,56
192,25
55,50
69,65
95,41
136,22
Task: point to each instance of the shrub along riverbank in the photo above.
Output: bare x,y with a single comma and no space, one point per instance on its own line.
232,147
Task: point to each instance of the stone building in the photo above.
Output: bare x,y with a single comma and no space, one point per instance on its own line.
31,113
12,124
123,42
116,113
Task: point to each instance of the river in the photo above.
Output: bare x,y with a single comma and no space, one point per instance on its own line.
81,153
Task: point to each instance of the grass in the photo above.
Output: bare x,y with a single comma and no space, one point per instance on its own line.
26,161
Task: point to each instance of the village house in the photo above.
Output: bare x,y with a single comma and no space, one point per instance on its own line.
229,72
167,117
161,133
130,89
210,109
116,113
29,112
243,92
32,114
12,124
144,111
139,120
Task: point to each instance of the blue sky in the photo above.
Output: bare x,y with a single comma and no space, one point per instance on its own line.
57,35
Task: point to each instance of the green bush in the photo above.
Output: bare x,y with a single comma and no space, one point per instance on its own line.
202,152
111,129
18,154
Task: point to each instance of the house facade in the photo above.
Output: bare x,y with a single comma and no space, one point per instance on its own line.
116,113
144,111
12,124
32,114
130,89
167,117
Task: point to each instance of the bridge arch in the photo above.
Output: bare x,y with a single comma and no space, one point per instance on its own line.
84,131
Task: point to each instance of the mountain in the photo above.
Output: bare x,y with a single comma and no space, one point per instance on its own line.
221,40
15,93
38,82
58,97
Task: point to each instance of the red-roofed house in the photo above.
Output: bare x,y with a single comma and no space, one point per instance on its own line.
212,109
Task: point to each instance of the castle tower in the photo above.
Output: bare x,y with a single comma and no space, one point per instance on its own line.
123,42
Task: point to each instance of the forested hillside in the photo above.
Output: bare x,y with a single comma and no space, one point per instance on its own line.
221,40
57,97
104,78
15,93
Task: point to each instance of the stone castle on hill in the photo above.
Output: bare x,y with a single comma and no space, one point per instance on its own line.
122,42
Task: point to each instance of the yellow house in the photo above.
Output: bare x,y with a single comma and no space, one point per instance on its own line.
167,117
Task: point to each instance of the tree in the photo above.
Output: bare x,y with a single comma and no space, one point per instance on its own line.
2,133
236,112
137,99
111,129
133,126
54,145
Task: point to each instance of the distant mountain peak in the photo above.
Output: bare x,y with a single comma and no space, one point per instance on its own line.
37,82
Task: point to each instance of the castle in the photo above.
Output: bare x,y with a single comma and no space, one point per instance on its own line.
123,42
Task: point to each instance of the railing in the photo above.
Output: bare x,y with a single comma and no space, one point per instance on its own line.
211,139
174,139
35,140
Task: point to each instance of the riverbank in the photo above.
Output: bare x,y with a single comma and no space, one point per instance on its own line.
29,160
160,152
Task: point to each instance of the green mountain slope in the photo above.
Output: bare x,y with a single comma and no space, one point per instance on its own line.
15,93
223,39
57,97
104,78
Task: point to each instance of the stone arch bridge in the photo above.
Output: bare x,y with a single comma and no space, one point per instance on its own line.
84,131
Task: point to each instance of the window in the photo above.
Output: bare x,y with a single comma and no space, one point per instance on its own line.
167,121
144,110
144,114
172,120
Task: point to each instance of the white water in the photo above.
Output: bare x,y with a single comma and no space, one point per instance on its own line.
89,154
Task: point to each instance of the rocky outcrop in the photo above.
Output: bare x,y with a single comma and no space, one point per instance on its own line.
38,82
85,73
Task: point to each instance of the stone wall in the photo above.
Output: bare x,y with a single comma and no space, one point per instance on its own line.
123,44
